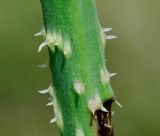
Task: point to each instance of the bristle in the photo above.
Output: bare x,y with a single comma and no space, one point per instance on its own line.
50,103
43,45
109,37
38,34
43,91
52,120
112,74
43,65
118,104
107,29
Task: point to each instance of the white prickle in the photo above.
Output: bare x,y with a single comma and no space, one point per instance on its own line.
112,74
78,87
107,29
52,120
50,103
43,65
104,109
79,132
94,103
105,76
43,45
67,49
38,34
109,37
118,104
41,33
57,110
48,90
43,91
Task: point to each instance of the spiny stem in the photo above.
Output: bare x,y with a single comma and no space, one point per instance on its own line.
80,89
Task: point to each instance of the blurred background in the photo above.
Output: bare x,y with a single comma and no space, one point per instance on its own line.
134,56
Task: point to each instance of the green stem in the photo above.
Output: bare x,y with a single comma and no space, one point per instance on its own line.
80,79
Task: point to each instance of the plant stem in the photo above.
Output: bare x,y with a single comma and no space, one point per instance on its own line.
82,93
